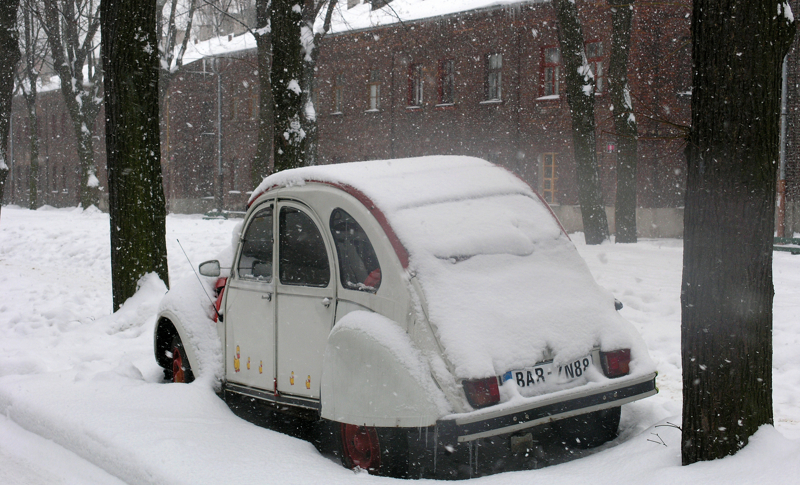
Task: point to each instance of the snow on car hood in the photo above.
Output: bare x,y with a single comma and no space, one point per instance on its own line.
504,286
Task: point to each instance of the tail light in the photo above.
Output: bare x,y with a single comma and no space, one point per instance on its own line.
616,363
482,392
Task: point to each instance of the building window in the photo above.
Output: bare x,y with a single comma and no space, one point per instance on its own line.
374,91
594,55
338,87
551,71
494,80
415,85
447,82
549,177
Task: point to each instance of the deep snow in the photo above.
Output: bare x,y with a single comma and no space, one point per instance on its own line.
83,402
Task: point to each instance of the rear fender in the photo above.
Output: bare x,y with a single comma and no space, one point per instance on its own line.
374,376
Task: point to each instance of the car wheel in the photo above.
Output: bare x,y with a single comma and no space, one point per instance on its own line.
590,430
379,451
181,370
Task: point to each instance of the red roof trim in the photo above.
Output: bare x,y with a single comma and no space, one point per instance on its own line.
399,249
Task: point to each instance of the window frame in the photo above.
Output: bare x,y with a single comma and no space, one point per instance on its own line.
284,243
338,96
493,77
548,190
447,84
415,86
266,207
551,85
595,61
374,91
366,254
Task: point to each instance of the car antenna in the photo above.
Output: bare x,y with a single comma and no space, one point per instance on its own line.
213,305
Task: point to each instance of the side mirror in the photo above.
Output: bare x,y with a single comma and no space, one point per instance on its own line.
209,268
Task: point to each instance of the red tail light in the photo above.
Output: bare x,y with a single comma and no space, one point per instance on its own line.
616,363
482,392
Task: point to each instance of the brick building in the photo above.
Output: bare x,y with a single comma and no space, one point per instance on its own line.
485,82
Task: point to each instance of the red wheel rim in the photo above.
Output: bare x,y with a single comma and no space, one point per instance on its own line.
177,365
361,446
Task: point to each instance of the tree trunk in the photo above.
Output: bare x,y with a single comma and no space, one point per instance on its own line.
310,41
261,163
624,121
33,133
9,52
287,79
580,97
136,194
732,157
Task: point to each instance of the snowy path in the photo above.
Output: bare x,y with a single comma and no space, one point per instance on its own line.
83,402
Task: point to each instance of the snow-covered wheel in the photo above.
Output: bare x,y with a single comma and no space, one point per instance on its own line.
377,450
181,370
590,430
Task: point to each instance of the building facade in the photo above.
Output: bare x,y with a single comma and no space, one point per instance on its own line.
484,82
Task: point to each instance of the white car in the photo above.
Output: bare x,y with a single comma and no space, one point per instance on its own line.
413,308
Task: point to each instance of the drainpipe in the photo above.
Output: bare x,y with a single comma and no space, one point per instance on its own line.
781,228
220,188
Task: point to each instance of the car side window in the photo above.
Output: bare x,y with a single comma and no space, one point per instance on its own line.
303,259
255,261
358,264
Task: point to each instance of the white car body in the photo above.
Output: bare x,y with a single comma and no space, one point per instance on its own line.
477,280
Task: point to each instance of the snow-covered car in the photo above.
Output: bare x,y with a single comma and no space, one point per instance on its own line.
412,308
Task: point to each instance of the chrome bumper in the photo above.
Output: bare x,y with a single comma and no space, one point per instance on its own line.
471,426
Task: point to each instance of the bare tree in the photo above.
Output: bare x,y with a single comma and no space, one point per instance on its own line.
286,78
310,41
71,27
136,195
9,52
580,87
170,48
34,53
624,120
732,160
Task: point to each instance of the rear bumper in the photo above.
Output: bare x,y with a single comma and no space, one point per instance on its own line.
472,426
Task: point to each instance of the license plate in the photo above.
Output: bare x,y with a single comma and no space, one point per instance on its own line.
546,373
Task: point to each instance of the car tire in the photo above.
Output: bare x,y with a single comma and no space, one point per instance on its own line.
380,451
180,369
590,430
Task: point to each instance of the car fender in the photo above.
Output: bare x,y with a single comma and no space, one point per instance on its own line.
200,339
373,375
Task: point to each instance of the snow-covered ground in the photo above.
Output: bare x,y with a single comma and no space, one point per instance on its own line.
81,398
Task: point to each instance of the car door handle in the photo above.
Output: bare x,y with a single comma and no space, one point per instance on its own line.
267,296
326,302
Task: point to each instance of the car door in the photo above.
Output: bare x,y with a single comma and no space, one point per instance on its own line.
250,305
306,299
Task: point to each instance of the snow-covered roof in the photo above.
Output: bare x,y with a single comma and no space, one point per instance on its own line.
362,16
218,46
505,287
358,17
